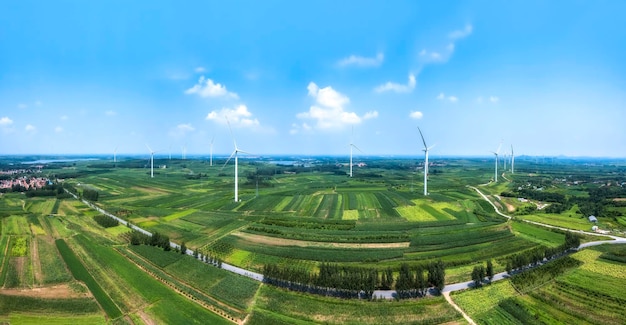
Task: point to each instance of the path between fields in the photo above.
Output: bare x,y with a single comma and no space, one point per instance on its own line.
383,293
451,302
274,241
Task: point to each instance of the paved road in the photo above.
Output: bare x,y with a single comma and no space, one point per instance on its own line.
386,294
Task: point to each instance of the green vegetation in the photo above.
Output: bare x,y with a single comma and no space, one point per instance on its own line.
80,273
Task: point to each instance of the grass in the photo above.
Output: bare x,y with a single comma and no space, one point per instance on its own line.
538,234
479,301
54,270
274,304
23,304
55,319
80,273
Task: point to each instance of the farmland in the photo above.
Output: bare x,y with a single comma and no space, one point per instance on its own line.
302,216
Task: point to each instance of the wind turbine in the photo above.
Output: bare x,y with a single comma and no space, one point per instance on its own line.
235,153
151,161
352,145
211,153
496,154
512,161
426,149
115,154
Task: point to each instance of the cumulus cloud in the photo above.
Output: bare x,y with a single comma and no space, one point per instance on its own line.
444,54
361,61
110,113
30,128
207,88
181,130
5,121
494,99
461,33
398,88
64,117
199,69
58,129
451,99
370,115
329,110
416,115
239,116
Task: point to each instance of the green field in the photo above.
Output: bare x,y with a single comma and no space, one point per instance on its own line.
304,216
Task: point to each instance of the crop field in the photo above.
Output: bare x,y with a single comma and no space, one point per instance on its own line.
301,217
279,306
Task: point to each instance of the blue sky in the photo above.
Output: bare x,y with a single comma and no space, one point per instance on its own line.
296,77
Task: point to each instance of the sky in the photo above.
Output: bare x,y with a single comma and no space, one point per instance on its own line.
311,77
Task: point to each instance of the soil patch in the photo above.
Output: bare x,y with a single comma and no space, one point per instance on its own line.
145,318
37,274
266,240
56,291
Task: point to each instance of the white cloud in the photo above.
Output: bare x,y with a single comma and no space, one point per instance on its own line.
360,61
328,110
5,121
208,88
494,99
239,116
451,99
370,115
181,130
58,129
199,69
22,106
416,115
110,113
444,54
398,88
64,117
30,128
38,103
462,33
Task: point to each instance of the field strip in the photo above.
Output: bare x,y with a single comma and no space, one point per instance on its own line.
62,291
455,306
179,214
180,291
274,241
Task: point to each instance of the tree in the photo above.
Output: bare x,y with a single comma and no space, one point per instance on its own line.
509,267
437,274
478,274
183,248
489,270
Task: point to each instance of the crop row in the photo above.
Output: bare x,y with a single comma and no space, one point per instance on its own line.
80,273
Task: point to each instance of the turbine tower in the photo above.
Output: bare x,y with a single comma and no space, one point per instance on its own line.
352,145
211,153
235,154
115,154
496,154
151,161
426,149
512,161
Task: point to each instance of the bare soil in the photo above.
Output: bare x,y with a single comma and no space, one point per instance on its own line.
145,318
266,240
56,291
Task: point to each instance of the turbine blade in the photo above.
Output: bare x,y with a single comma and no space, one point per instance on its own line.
231,132
431,147
147,146
421,135
500,146
231,156
357,148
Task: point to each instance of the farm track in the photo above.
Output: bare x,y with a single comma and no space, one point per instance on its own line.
180,292
274,241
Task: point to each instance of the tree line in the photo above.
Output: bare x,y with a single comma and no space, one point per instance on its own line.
356,282
535,256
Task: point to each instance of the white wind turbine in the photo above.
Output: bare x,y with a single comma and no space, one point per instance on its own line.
115,154
512,161
496,154
235,153
151,161
211,153
352,145
426,149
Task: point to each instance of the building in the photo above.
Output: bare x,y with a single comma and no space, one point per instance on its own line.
593,219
